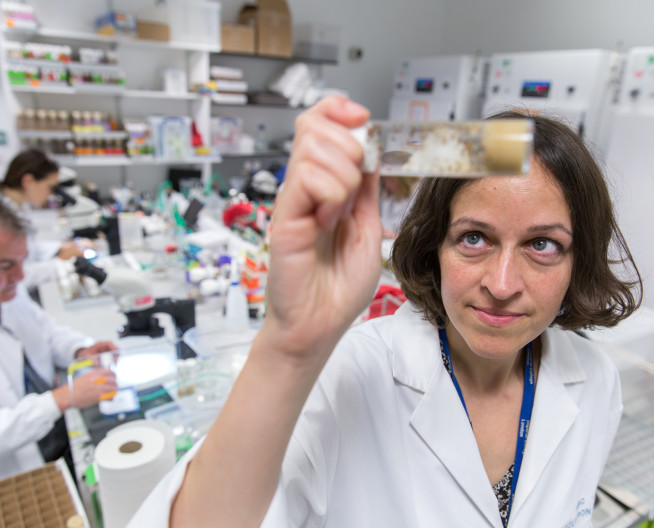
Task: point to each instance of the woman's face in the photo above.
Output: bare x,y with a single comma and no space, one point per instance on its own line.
37,192
506,262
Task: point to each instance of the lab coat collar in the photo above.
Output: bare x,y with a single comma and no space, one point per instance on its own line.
417,364
415,346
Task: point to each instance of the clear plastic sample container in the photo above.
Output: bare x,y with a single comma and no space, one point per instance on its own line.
448,149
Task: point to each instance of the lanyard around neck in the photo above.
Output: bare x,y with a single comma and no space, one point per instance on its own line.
528,394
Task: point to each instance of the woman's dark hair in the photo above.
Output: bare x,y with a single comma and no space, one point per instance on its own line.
32,161
597,295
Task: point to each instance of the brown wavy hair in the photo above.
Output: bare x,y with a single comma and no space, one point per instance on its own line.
32,161
605,286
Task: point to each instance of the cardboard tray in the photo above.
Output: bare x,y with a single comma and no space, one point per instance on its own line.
45,497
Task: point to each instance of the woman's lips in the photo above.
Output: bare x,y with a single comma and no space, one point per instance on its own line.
495,317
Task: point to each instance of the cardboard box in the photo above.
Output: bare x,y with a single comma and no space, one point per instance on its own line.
272,23
237,38
152,31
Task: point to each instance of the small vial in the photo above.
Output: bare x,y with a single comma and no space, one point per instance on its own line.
260,144
20,119
41,119
77,121
29,119
63,122
51,123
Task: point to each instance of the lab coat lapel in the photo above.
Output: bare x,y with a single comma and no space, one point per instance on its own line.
554,411
440,419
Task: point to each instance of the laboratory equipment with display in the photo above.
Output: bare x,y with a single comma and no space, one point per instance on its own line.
577,86
441,88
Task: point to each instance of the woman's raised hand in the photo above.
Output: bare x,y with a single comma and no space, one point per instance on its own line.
326,234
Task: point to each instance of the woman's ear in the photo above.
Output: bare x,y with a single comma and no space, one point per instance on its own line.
27,179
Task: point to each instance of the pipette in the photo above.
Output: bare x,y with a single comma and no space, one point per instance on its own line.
447,149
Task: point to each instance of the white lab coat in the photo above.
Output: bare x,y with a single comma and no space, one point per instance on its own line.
40,265
384,441
26,419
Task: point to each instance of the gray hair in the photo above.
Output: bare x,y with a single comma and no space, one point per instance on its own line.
11,221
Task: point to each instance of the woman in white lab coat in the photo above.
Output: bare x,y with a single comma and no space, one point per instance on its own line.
473,405
30,180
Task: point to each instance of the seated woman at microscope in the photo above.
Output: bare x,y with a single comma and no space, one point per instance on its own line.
30,180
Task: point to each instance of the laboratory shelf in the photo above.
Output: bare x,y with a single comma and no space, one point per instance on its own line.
82,36
266,154
100,89
42,63
39,63
158,94
105,90
257,105
112,134
274,58
170,45
190,161
101,161
45,134
67,90
44,89
124,161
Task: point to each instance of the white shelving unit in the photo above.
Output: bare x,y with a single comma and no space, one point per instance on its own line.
142,95
142,61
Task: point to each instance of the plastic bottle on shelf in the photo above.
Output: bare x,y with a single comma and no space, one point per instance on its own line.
77,121
52,120
41,119
236,306
20,119
260,144
29,119
63,121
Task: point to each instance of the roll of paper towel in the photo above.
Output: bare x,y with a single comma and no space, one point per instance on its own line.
130,463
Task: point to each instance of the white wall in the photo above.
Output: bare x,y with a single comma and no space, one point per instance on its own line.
497,26
386,30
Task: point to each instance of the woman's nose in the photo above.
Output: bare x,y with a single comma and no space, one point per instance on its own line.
502,277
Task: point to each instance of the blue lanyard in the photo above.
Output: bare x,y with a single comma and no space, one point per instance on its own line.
528,394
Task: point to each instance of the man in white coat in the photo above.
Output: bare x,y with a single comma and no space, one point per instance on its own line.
32,345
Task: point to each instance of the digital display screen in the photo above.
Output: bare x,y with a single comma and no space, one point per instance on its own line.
535,89
425,85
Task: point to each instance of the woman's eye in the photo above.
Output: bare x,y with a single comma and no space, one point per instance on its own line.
472,240
543,245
